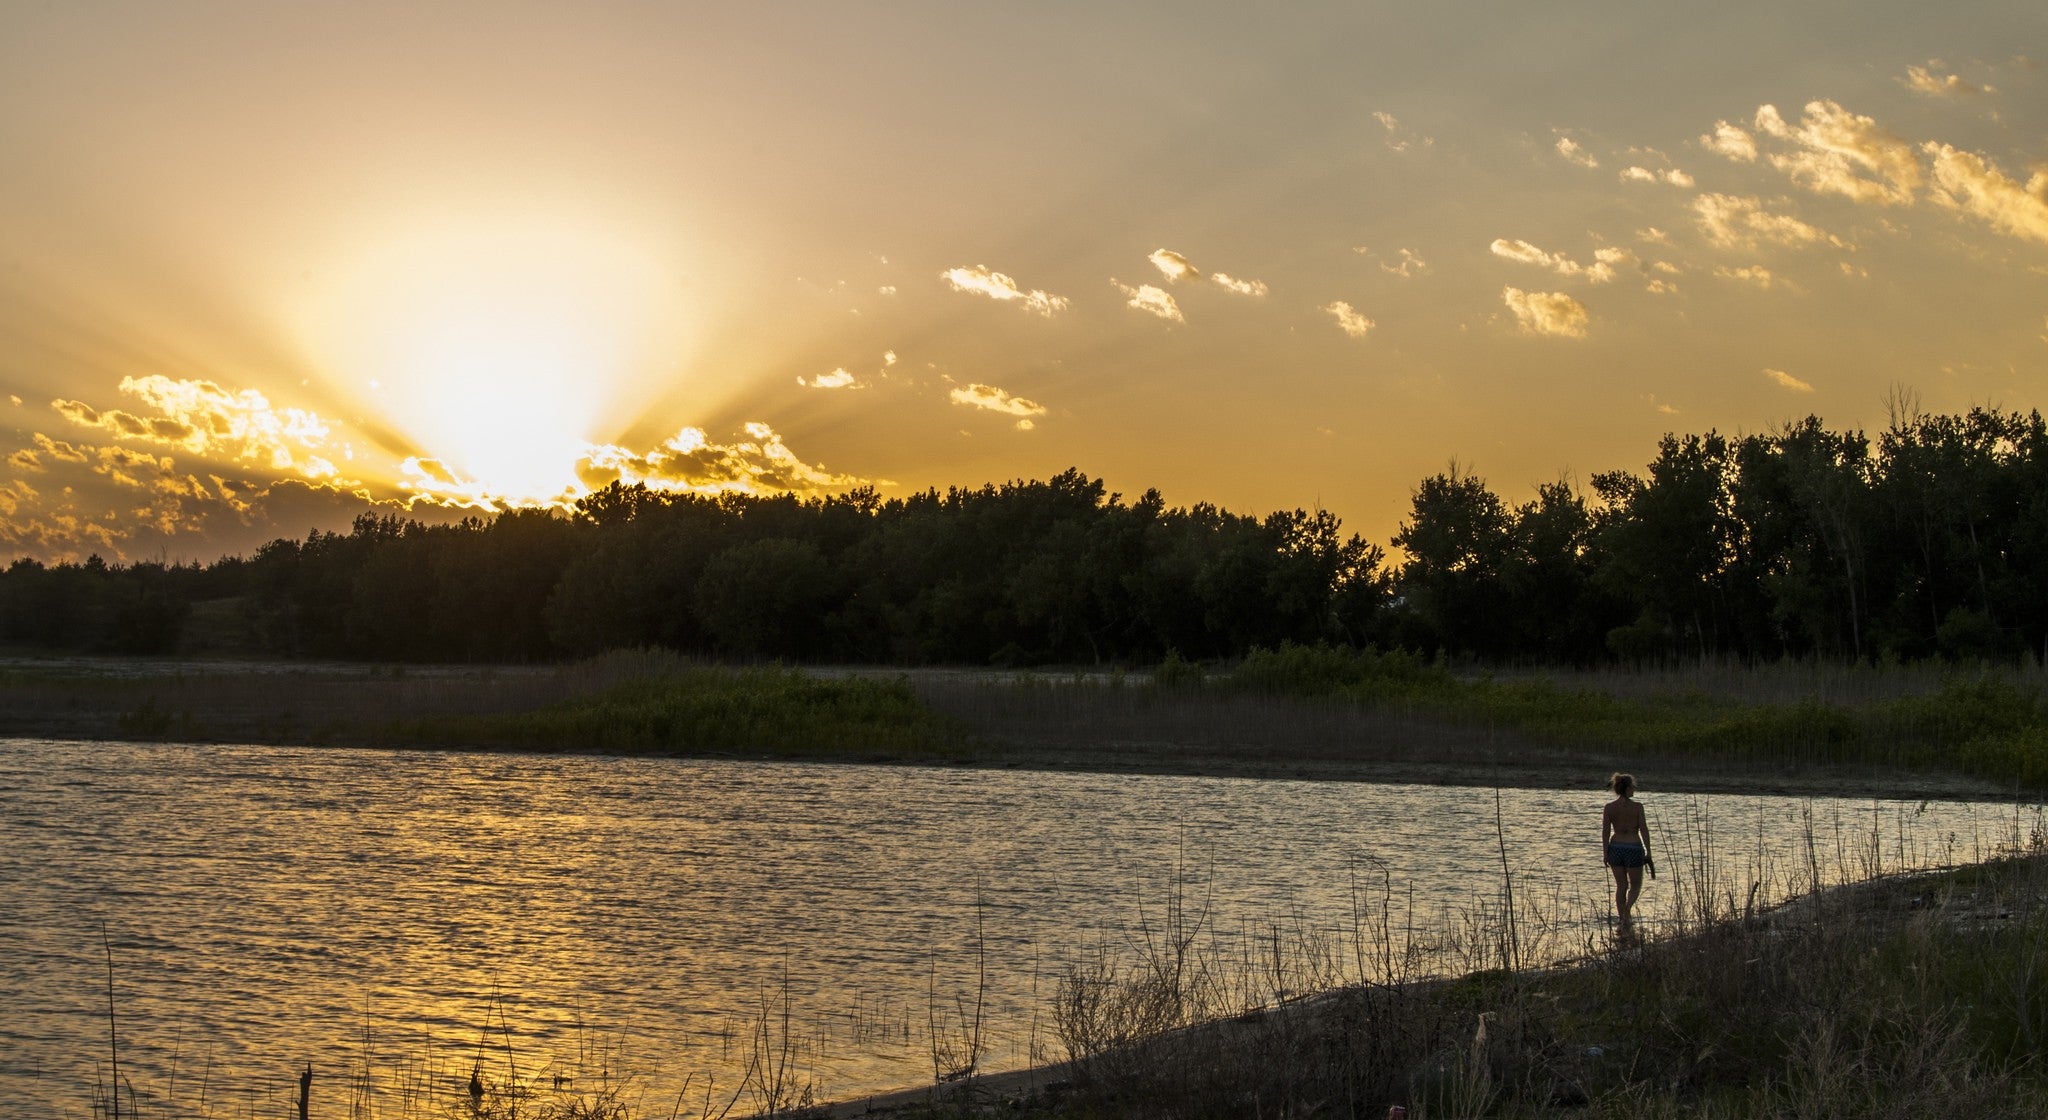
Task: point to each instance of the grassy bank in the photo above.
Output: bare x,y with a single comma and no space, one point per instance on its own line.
1988,724
711,710
1911,996
621,703
1299,712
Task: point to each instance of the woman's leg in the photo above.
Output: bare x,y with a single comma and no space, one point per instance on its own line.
1635,890
1622,899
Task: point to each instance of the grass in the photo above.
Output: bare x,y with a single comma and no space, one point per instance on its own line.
1298,711
1904,996
703,710
1984,723
624,702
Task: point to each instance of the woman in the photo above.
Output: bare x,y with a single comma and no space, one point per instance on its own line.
1625,847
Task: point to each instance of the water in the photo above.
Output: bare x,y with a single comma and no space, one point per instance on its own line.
396,919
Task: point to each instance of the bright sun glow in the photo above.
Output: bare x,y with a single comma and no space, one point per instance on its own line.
503,351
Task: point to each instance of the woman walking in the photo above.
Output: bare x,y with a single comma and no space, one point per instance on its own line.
1625,848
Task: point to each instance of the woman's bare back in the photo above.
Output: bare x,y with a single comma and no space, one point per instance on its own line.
1623,819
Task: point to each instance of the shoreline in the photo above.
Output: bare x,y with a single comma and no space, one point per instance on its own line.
1966,900
1010,721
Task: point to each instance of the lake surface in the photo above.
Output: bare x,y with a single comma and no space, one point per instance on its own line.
397,920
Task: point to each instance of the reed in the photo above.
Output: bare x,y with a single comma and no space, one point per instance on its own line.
1903,995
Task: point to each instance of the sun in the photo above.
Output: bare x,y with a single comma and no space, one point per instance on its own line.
504,350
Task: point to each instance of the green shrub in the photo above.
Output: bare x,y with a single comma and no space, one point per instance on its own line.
716,710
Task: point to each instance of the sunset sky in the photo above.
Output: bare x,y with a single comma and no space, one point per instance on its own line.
263,266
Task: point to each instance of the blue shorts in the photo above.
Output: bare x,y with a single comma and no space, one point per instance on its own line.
1621,854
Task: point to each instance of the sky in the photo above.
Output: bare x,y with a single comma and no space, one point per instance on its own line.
265,267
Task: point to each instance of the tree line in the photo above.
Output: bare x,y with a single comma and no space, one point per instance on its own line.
1930,540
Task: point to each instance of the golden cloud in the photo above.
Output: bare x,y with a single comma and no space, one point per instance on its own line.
1670,175
1741,222
1786,381
1174,266
123,465
1599,272
60,450
1349,320
992,399
1731,141
1151,300
1973,185
1754,274
1398,138
1547,313
1923,79
1411,265
13,496
688,461
999,287
1571,150
1241,287
1177,267
25,460
205,419
837,379
1840,152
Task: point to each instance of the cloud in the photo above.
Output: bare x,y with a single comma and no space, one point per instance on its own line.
1177,267
1754,274
1731,141
1923,79
1670,175
1973,185
992,399
1349,320
759,463
1001,288
60,450
1658,286
1840,152
1599,272
1151,300
14,497
1573,152
208,420
1398,138
1411,265
1241,287
1740,222
837,379
1651,235
14,400
124,465
26,460
1174,266
425,477
1547,313
1786,381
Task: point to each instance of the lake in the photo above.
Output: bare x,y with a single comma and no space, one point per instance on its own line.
398,920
